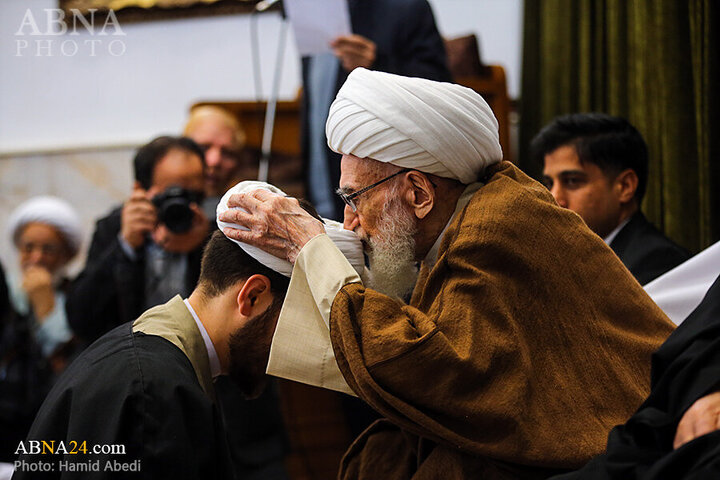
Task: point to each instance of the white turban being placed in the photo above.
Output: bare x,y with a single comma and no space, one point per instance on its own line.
51,211
438,128
346,240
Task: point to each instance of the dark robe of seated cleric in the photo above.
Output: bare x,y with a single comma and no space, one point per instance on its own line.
684,369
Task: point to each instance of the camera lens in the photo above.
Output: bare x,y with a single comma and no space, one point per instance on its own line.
173,208
176,215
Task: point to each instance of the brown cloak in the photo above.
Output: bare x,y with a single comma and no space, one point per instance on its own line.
524,344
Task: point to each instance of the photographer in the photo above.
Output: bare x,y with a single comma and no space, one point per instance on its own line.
148,250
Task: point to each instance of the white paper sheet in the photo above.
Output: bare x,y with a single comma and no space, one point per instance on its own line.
316,23
680,290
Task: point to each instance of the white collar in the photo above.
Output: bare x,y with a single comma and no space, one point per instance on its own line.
215,369
611,236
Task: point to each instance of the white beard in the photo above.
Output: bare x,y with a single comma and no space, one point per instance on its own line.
393,270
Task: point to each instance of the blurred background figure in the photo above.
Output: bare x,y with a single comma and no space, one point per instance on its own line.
36,343
147,250
597,166
222,139
47,234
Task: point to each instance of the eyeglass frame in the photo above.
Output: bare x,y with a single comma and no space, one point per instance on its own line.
348,198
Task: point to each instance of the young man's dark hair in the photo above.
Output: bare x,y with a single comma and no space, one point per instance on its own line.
609,142
224,264
150,154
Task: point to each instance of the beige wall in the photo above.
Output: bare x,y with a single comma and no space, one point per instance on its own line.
93,180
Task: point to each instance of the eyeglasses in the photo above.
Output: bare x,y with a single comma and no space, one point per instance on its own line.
48,249
348,198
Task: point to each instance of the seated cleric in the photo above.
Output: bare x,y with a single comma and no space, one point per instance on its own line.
504,364
146,387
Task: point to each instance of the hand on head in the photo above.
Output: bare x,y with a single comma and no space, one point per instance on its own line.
354,51
276,224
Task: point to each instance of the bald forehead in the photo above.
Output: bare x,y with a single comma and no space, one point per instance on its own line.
356,173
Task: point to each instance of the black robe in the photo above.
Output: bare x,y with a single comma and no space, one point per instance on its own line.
139,391
685,369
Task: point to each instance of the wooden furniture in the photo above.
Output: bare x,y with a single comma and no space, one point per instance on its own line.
489,81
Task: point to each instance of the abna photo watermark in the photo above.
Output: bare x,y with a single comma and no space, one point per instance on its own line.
104,25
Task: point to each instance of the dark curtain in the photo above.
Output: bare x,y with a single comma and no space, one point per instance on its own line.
654,62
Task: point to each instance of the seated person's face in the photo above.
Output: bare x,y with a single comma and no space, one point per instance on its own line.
182,169
41,245
583,188
250,351
222,157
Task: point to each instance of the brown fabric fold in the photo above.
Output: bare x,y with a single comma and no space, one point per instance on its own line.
523,346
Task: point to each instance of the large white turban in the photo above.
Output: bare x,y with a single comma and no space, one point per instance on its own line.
51,211
346,240
438,128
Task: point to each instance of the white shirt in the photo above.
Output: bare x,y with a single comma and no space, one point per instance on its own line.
212,354
611,236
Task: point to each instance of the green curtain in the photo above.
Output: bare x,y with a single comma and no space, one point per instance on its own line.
654,62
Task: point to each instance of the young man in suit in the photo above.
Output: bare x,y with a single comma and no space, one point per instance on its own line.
597,166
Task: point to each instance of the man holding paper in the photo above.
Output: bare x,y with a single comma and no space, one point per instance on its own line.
503,365
396,36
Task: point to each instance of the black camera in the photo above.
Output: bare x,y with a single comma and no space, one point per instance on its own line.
173,208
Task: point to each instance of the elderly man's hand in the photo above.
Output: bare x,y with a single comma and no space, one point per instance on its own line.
354,51
701,418
276,224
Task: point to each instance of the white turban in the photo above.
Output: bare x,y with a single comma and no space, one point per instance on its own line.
51,211
346,240
438,128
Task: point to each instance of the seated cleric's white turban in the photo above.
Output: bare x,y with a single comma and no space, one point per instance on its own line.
346,241
51,211
434,127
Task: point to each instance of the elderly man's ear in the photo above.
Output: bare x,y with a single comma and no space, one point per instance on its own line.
420,195
254,297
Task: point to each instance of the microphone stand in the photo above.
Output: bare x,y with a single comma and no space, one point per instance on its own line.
271,107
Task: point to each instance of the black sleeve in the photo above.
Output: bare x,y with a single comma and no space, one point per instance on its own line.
684,369
108,291
140,393
419,49
5,307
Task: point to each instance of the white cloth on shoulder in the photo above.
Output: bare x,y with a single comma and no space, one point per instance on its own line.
434,127
680,290
346,240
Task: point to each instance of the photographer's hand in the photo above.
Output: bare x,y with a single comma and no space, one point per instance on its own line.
139,218
184,242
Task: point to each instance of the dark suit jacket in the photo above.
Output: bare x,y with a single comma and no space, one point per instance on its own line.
645,251
408,43
111,288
